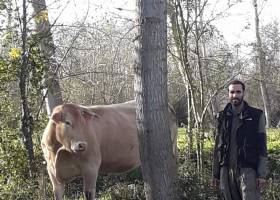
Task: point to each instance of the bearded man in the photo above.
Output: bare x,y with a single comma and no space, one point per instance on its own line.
240,152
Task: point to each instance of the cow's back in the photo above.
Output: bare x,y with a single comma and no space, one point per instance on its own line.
117,133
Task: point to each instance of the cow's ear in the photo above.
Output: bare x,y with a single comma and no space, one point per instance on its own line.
88,114
56,117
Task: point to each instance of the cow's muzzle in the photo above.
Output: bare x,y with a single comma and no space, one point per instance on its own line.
78,147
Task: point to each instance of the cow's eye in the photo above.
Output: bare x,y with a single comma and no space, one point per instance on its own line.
68,123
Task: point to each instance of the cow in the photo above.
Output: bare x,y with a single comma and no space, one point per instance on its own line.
81,141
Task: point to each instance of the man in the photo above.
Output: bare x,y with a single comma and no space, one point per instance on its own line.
240,152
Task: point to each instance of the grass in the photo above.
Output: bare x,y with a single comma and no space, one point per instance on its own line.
273,140
183,141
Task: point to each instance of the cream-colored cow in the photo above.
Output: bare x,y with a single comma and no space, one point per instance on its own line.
83,141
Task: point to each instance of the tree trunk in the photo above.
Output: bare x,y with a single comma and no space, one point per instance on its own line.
190,125
26,120
158,162
52,91
181,48
9,17
262,66
198,36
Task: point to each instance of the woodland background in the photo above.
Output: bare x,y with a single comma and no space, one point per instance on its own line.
44,63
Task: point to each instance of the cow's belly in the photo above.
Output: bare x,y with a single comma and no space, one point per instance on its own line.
120,150
119,166
120,161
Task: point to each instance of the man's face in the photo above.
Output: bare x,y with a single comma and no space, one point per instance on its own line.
236,94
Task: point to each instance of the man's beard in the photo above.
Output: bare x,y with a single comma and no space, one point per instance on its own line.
236,101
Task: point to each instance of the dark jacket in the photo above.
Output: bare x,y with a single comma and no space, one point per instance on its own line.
250,142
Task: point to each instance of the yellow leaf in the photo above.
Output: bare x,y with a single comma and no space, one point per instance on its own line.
14,53
42,16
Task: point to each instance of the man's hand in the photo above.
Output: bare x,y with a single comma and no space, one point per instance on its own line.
215,182
261,183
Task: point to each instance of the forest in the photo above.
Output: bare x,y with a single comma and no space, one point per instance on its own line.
87,52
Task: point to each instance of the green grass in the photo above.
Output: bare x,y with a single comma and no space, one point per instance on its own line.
273,140
183,141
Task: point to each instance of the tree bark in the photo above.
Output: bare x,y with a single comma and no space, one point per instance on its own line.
158,162
26,120
262,66
52,91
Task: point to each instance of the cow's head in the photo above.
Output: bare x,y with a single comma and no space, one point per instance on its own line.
71,126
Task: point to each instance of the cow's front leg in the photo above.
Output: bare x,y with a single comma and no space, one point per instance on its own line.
58,188
89,195
89,180
58,191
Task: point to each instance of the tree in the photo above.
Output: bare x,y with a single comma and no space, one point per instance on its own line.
158,163
193,39
18,77
26,120
99,60
271,42
262,68
52,91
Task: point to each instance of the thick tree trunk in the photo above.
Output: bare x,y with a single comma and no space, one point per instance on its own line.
262,65
158,162
53,91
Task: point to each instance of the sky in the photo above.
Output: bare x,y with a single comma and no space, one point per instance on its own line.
237,27
73,10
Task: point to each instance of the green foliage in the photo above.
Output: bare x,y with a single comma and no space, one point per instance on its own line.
8,72
273,140
123,190
183,140
194,185
126,186
272,190
15,179
111,187
3,5
37,68
16,182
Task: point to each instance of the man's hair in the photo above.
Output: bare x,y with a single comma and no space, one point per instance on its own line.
237,82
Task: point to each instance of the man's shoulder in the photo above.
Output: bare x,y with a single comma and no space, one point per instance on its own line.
256,110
